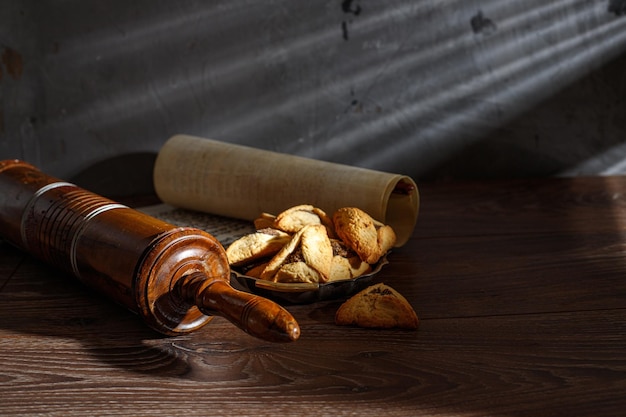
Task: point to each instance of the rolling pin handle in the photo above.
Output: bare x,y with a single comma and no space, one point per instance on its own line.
255,315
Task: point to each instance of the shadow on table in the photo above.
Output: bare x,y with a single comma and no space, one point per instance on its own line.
49,308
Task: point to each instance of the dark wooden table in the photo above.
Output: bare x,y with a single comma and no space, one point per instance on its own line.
520,287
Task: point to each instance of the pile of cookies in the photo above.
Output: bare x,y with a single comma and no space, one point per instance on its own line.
304,244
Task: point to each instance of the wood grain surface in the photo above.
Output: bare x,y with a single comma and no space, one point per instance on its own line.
519,285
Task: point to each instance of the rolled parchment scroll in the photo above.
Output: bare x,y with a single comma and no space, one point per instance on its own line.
243,182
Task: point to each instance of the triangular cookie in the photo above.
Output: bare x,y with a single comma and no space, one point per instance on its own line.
309,245
369,238
295,218
377,306
261,244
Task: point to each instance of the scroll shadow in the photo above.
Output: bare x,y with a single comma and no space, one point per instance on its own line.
126,177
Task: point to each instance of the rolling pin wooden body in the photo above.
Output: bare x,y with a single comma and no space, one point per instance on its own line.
175,278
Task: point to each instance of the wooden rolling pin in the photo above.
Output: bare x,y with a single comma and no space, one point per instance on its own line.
175,278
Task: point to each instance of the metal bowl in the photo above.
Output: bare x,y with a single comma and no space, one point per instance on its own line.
305,293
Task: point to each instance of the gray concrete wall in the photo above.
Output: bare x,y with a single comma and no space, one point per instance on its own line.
429,88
